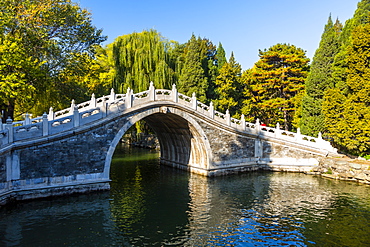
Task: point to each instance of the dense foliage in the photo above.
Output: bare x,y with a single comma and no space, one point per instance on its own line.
276,82
228,87
346,105
46,50
311,119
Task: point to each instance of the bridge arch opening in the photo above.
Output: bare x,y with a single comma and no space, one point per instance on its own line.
182,141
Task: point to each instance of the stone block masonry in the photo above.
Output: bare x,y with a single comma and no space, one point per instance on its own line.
71,150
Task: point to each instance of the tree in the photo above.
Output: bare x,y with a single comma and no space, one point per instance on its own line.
228,87
319,80
140,58
348,113
195,71
277,79
49,36
345,106
340,65
220,56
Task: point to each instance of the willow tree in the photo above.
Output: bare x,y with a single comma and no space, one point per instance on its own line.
140,58
277,80
40,44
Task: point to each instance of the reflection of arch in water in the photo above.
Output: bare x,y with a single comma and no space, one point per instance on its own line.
183,143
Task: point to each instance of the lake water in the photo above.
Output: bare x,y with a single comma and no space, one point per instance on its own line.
153,205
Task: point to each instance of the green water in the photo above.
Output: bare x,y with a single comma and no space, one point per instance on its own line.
154,205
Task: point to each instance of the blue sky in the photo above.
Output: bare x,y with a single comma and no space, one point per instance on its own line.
242,26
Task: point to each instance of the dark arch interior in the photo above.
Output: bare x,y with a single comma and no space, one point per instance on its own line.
180,143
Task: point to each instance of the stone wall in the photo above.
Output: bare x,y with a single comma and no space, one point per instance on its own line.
344,169
2,169
228,147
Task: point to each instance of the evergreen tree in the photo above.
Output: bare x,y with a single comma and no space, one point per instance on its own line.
220,56
319,80
194,77
348,113
248,107
360,17
228,87
277,79
342,105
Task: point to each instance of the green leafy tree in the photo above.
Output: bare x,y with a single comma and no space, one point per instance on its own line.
49,36
15,62
229,87
276,81
348,113
319,80
140,58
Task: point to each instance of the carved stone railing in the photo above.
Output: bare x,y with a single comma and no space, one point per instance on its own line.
95,109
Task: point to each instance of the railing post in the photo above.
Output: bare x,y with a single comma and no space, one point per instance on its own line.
257,125
175,94
128,100
51,115
319,136
1,123
228,118
194,101
211,110
45,124
76,117
104,107
27,119
242,119
298,135
277,131
9,126
151,91
320,141
93,101
72,107
112,96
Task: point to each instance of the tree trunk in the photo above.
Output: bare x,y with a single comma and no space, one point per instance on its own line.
286,124
7,110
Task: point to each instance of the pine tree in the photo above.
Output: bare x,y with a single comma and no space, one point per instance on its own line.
340,65
319,80
194,77
277,79
220,56
228,87
346,118
349,113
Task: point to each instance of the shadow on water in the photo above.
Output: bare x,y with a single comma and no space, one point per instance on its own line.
148,201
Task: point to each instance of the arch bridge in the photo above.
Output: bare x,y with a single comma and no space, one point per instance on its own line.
71,150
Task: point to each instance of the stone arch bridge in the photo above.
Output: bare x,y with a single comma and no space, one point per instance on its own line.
71,150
